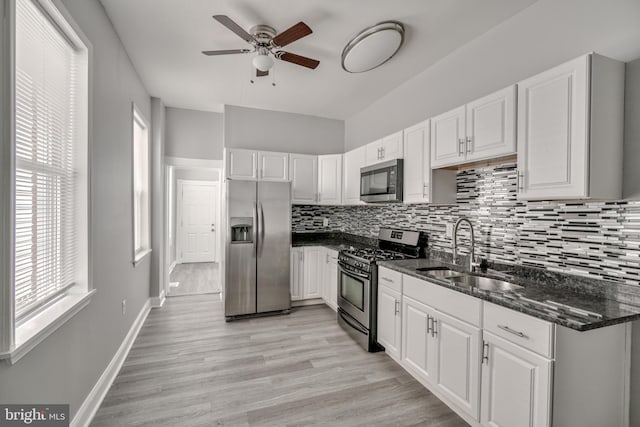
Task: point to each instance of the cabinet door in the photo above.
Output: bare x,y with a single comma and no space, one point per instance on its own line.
552,132
330,285
273,166
448,138
389,320
330,179
418,348
491,125
392,147
353,161
297,273
313,269
373,152
417,167
303,170
516,386
457,371
242,164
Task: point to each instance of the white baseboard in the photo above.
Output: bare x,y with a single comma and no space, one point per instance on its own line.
302,303
158,302
93,401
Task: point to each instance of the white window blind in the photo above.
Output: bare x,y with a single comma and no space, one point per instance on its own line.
46,177
140,186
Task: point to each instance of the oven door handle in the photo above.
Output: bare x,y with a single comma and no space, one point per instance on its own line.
355,326
353,273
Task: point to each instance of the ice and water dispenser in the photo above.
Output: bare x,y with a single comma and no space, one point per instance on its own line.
241,230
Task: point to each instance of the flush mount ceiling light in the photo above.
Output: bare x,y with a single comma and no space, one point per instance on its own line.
372,47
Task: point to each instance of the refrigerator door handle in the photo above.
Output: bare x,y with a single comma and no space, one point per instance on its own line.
261,228
255,225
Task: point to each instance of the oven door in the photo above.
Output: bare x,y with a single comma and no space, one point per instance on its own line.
354,290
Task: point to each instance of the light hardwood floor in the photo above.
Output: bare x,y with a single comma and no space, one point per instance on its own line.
190,368
195,278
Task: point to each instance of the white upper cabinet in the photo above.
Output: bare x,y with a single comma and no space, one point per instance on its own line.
491,125
417,166
273,166
480,130
251,165
448,138
353,161
330,179
303,170
570,124
388,148
242,164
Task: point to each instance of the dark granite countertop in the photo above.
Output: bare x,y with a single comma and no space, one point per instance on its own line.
570,306
332,240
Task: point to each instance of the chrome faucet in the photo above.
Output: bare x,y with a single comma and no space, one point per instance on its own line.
472,262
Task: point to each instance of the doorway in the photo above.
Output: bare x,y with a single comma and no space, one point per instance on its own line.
193,247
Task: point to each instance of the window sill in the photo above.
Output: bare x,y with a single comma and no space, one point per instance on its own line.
33,331
139,257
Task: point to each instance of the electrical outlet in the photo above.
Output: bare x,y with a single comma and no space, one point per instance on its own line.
325,222
449,230
124,307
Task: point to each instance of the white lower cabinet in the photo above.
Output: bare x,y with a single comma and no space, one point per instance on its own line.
516,385
296,275
418,346
389,324
314,275
457,373
330,278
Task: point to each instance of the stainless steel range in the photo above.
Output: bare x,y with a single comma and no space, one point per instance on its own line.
358,282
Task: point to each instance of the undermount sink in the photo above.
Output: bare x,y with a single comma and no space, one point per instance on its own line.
439,272
483,283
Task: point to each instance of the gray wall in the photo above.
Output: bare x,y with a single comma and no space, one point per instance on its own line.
65,367
193,134
276,131
544,35
632,131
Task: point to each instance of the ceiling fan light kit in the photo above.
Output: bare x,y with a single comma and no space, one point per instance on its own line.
267,44
372,47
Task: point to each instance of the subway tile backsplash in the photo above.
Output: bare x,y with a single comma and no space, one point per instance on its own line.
600,240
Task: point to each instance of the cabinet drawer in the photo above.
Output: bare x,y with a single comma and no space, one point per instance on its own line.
534,334
461,306
390,278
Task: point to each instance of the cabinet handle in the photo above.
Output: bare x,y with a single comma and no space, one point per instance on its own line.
460,144
382,150
327,258
429,325
512,331
397,306
434,327
386,279
520,180
485,352
469,146
425,190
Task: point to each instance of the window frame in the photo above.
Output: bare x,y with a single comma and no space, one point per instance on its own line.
139,253
18,338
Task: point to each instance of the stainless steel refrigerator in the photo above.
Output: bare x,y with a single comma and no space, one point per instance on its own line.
257,248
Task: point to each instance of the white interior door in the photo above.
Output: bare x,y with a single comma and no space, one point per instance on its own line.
197,221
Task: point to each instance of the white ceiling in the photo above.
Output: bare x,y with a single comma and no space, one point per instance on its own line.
164,39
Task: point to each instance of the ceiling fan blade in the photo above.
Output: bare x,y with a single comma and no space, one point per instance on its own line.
294,33
297,59
260,73
237,29
225,52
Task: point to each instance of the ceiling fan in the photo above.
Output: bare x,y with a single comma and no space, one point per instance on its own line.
266,43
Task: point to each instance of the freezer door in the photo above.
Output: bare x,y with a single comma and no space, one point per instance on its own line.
274,246
240,269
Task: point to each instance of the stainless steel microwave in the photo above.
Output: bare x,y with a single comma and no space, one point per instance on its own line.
382,182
